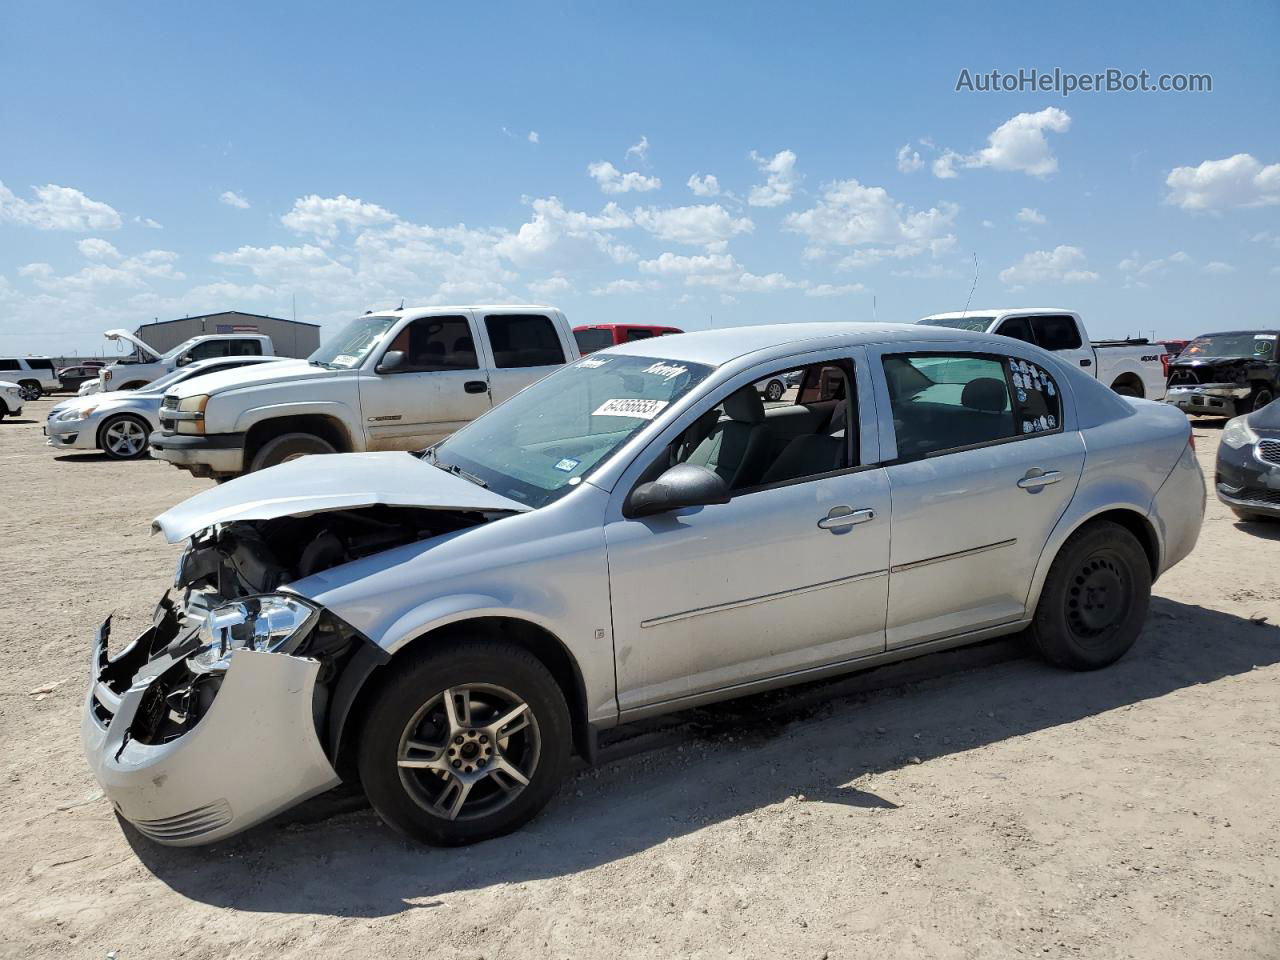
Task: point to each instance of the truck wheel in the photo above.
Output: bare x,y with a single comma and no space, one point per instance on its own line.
1261,396
124,437
465,743
30,390
1126,389
1094,601
289,446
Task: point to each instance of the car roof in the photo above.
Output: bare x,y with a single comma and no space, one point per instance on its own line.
719,346
997,311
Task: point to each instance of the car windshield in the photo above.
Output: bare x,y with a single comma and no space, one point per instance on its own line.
975,324
1260,345
348,348
540,444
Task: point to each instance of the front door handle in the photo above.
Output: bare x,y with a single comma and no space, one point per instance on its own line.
840,517
475,386
1036,479
1086,363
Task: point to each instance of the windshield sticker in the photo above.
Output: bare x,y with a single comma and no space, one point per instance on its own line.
568,464
666,370
593,362
345,359
1264,336
638,408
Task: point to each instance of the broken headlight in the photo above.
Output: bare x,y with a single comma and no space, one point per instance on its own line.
273,623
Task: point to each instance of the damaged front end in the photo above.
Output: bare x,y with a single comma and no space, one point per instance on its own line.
218,715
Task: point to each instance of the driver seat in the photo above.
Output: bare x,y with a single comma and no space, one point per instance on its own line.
737,445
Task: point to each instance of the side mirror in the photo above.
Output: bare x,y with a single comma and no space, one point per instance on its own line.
392,361
684,485
183,360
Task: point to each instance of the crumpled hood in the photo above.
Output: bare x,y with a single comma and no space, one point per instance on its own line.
1221,363
317,484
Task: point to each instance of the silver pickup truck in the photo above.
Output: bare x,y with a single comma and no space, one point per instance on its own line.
399,380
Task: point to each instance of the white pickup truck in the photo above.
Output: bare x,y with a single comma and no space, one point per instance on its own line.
1132,368
399,380
146,364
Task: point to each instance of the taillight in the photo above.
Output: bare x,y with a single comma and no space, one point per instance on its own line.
1164,363
1191,441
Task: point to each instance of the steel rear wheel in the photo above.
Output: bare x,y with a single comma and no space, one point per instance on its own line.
1095,598
465,743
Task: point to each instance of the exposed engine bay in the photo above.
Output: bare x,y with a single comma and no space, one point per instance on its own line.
249,557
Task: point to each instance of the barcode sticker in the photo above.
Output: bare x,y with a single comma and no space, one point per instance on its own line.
640,409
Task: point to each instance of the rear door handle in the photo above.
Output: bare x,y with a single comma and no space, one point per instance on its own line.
840,517
1037,479
1086,363
475,386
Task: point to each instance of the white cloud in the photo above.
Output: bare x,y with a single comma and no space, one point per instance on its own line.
1136,266
834,290
1238,181
550,287
624,286
94,248
780,179
148,223
57,208
1267,237
707,186
699,225
744,282
232,199
850,214
322,216
613,180
1031,215
988,224
671,263
1218,267
533,136
1017,145
1062,264
908,159
638,150
552,222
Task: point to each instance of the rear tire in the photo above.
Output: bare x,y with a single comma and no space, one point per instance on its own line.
30,390
1126,390
289,446
409,727
1095,598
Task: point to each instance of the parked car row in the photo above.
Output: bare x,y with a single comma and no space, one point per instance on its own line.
449,626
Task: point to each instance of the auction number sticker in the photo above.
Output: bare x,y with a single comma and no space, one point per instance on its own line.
639,409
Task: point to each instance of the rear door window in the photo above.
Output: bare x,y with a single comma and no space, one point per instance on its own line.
1056,333
523,340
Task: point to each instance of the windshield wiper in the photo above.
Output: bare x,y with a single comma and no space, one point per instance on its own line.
431,457
323,363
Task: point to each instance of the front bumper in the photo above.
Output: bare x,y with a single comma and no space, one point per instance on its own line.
253,753
1245,481
1214,399
216,453
73,434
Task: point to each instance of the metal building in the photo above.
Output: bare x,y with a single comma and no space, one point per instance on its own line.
289,338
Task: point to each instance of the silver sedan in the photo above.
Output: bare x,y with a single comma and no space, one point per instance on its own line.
120,422
603,547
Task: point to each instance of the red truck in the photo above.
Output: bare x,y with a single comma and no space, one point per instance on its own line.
597,336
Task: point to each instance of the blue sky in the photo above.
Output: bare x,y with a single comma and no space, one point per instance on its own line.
167,159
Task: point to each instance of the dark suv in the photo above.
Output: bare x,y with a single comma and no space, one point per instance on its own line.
1225,374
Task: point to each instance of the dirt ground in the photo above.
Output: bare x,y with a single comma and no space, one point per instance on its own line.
973,804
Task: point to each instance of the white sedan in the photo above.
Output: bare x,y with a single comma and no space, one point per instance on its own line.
10,399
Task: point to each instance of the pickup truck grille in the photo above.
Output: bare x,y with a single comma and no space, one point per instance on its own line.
1183,377
1269,450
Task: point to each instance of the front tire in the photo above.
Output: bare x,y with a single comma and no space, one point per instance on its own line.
1259,398
774,390
289,446
1094,600
464,743
124,438
30,390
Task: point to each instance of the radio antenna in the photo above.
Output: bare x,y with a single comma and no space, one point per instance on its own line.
972,288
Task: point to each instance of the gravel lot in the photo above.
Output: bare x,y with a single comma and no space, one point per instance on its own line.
977,804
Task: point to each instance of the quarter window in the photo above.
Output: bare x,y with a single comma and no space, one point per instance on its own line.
521,340
944,402
9,365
